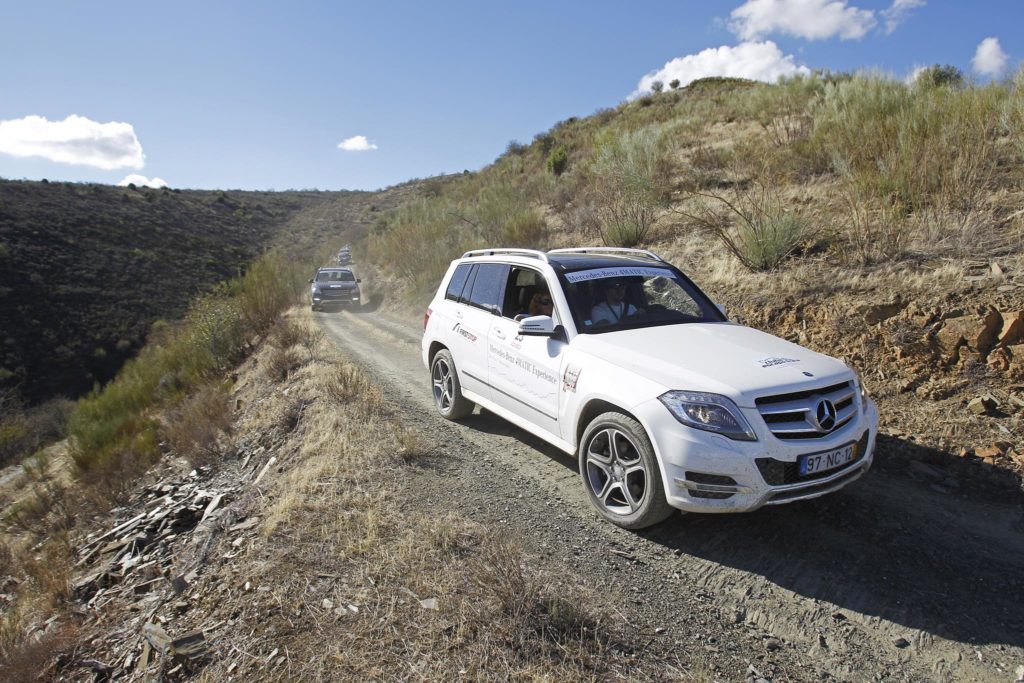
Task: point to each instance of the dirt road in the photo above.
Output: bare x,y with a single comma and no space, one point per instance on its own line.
895,578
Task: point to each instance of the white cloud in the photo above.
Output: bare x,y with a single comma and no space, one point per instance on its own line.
141,180
357,143
898,13
810,19
75,140
989,58
756,61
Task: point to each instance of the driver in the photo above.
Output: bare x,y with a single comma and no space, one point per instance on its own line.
614,308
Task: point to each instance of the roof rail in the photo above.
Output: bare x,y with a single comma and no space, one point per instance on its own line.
530,253
609,250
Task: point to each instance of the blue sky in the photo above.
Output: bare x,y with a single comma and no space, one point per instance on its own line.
258,95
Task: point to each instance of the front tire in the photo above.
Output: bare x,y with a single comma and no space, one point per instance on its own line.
446,387
620,472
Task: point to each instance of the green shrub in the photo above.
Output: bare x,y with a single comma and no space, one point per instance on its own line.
631,174
910,147
940,75
111,426
557,161
754,224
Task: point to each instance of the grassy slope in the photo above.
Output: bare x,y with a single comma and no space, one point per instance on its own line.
870,210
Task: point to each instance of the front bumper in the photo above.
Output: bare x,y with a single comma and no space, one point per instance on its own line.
705,472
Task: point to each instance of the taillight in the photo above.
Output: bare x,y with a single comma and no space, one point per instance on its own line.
426,319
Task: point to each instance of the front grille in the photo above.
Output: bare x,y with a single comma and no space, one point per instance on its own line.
337,293
781,472
794,415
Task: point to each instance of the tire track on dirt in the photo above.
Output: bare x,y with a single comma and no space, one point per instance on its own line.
838,580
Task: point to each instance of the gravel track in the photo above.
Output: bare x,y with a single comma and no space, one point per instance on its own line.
894,578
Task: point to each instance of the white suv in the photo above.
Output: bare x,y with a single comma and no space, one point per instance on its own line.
615,355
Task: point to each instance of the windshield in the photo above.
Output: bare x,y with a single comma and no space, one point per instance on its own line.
606,299
335,276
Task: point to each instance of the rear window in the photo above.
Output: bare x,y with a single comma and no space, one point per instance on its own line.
457,283
488,286
335,276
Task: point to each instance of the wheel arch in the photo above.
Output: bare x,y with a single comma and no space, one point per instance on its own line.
435,347
592,409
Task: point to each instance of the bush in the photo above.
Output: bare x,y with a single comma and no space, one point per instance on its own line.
558,160
936,76
910,148
110,433
281,363
193,429
756,226
632,180
674,84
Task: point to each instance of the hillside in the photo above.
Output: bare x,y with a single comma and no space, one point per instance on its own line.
868,219
85,270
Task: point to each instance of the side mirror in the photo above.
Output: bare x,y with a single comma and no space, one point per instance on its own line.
721,309
310,282
358,280
537,326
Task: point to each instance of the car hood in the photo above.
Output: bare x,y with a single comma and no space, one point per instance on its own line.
723,358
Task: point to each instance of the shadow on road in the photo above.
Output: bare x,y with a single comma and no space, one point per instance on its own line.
915,548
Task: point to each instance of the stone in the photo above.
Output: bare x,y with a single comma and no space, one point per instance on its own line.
982,405
900,642
772,644
327,603
429,603
979,334
189,646
1012,331
988,452
876,313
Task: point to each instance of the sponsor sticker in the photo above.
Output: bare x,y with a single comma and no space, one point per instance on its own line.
571,377
772,362
460,330
622,271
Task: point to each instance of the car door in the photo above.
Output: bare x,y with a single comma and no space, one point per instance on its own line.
479,306
524,371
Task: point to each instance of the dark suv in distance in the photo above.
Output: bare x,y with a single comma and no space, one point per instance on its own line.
334,287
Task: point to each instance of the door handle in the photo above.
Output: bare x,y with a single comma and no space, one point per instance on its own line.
458,314
499,334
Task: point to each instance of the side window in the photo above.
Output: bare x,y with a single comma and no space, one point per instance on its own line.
523,292
488,286
457,283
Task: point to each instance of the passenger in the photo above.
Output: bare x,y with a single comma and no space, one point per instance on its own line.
614,308
540,304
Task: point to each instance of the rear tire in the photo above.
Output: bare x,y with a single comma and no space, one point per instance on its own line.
620,472
447,389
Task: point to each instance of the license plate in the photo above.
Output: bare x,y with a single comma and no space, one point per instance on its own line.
829,460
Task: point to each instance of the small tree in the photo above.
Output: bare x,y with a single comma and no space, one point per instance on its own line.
657,86
674,84
938,75
558,160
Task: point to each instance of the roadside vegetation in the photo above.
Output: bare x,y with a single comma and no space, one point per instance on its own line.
860,171
173,397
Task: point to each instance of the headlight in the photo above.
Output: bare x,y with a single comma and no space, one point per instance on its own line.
864,396
710,412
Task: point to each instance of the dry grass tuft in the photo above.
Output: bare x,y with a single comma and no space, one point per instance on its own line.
193,430
281,362
411,445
